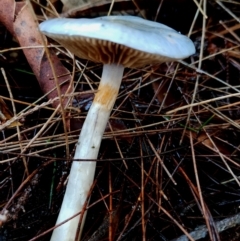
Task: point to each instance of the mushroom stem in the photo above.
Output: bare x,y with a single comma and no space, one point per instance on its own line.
82,172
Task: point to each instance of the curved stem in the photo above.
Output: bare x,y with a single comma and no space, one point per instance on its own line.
82,172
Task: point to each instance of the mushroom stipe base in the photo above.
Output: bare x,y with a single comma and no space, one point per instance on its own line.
82,173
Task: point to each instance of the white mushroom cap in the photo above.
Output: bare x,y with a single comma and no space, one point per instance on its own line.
126,40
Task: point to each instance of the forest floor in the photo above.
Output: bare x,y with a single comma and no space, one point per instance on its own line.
169,162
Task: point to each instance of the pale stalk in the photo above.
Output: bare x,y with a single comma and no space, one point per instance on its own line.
82,172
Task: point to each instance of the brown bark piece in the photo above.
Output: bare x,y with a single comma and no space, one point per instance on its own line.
25,29
27,33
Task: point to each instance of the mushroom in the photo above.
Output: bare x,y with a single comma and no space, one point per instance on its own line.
117,42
